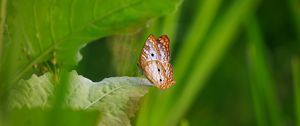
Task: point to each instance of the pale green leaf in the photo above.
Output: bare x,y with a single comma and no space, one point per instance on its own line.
116,97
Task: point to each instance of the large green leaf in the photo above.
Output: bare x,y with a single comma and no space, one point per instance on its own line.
116,97
50,32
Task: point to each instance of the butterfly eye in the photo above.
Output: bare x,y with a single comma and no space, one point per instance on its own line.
160,80
158,70
152,54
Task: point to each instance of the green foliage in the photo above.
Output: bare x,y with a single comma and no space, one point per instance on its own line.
204,46
116,97
235,62
181,97
52,32
40,39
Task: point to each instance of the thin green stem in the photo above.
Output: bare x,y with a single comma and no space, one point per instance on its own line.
296,81
2,24
256,92
262,75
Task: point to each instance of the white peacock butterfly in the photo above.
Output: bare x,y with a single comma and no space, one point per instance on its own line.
154,61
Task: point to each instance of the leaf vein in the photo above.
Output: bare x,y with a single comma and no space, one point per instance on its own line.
101,97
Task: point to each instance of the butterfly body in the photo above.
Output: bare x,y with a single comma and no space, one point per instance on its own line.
154,61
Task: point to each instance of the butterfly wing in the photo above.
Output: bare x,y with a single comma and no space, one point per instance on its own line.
150,51
154,62
164,48
169,71
155,72
161,75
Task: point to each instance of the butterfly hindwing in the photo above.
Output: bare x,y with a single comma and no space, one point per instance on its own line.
169,71
154,71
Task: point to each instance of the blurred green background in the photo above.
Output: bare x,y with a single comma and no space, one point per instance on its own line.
236,63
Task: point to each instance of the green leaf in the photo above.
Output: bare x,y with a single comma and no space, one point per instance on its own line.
51,32
32,93
116,97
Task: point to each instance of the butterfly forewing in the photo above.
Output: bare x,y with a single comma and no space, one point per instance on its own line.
154,61
150,51
164,48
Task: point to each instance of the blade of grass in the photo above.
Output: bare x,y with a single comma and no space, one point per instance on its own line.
170,24
62,85
296,81
2,23
262,74
219,40
7,74
206,13
8,61
294,6
144,114
294,9
256,93
257,103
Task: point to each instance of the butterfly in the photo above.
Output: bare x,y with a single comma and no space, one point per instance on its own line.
154,61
